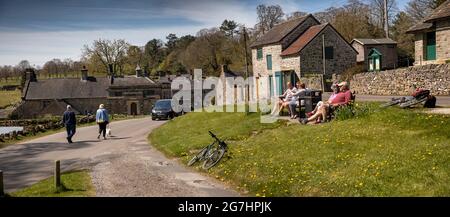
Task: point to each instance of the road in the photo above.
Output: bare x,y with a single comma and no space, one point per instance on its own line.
123,165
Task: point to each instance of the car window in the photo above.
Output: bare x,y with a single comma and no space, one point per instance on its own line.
166,104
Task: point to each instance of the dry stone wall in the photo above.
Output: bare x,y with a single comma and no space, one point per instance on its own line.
435,77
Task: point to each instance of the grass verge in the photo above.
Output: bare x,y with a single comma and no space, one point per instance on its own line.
389,152
74,184
8,98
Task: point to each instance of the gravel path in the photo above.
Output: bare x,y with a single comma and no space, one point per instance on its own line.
123,165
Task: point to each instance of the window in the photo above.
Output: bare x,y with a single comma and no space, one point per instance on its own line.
329,53
269,62
116,94
148,93
259,54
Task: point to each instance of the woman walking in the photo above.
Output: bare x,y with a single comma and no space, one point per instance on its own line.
102,120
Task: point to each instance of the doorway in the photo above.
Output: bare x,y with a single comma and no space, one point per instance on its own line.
133,108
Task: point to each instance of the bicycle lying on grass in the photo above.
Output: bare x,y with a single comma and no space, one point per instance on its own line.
211,154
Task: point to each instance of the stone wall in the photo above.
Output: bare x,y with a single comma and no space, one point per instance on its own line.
312,82
344,56
400,81
260,65
443,40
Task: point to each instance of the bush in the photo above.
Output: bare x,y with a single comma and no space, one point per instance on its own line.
356,69
353,111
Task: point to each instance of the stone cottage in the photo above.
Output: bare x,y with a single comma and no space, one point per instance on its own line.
376,54
131,95
296,49
432,37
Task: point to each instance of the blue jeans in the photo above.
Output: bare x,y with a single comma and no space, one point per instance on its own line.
71,129
292,106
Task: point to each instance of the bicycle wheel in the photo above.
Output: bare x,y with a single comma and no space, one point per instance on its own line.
198,156
385,105
213,158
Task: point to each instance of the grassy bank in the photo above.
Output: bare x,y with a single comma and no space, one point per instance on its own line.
76,184
9,98
391,152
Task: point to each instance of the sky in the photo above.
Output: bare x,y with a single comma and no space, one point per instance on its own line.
39,31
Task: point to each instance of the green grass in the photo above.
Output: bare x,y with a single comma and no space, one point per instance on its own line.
391,152
74,184
10,81
9,98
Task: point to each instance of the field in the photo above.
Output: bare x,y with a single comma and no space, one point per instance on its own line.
379,152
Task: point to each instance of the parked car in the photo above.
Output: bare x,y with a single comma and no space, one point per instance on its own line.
163,110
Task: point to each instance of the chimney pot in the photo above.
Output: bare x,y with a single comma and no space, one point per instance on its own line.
84,74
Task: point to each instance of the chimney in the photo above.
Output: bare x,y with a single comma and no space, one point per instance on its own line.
84,74
30,75
138,71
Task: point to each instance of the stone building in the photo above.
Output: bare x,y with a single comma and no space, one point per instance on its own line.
131,95
432,37
376,54
296,49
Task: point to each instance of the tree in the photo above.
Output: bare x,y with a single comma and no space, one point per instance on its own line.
377,11
353,21
23,65
153,54
228,27
268,16
107,52
405,42
295,14
50,68
134,55
419,9
171,42
207,51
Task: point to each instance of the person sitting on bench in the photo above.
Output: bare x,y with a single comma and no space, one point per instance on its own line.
301,91
335,89
284,99
342,98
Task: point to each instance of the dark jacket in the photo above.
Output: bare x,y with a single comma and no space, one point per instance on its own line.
69,118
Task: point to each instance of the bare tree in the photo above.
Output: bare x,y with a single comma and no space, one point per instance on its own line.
295,14
377,11
107,52
419,9
268,16
24,64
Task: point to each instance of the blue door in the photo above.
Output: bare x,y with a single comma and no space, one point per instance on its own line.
270,85
279,82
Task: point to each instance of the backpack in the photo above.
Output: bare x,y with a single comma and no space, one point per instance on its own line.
431,102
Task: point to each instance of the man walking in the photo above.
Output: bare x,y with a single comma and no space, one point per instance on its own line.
70,121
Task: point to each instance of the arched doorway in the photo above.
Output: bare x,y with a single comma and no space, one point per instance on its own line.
133,108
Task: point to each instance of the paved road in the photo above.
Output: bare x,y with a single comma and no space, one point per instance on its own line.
123,165
440,100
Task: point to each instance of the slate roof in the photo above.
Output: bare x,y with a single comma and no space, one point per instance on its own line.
372,41
132,81
303,40
420,26
278,32
75,88
441,12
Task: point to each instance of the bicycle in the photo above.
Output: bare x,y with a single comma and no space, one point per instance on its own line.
211,154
